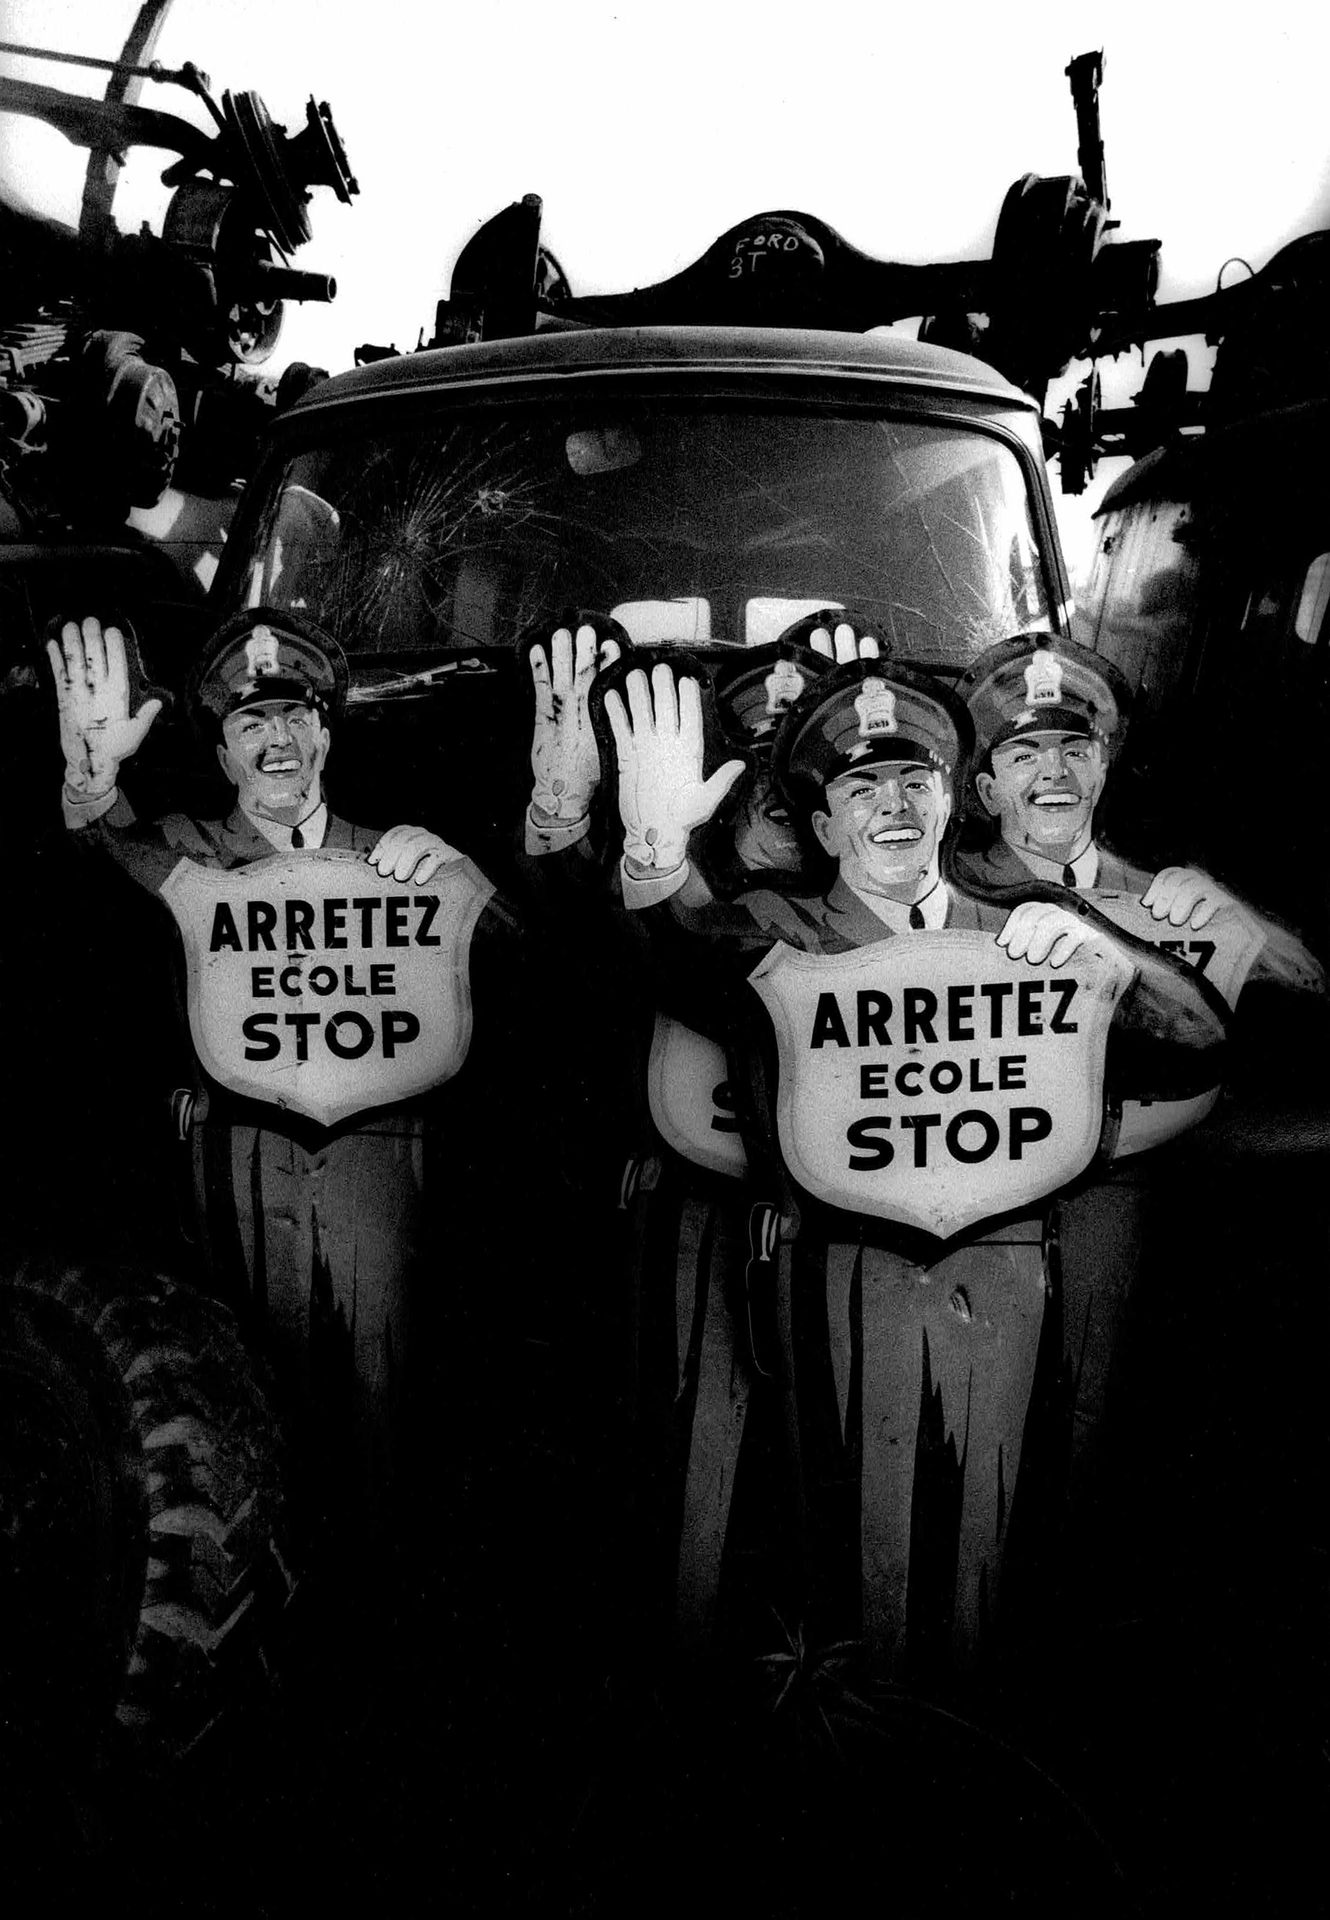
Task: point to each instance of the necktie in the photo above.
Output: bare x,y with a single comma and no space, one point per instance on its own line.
1069,875
298,840
916,918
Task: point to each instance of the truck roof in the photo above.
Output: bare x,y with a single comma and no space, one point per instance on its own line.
890,358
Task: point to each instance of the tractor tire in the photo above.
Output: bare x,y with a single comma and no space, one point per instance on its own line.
142,1568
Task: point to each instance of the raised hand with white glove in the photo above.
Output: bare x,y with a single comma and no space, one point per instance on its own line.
565,760
97,730
843,642
662,793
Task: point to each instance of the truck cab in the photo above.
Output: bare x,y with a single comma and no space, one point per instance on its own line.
707,486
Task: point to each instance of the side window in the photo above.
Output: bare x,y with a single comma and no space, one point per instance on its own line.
1140,603
767,615
1286,608
684,621
1285,628
290,567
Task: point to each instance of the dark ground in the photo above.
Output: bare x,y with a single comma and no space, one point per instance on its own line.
481,1739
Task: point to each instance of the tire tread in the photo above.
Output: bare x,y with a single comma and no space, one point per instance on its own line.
198,1434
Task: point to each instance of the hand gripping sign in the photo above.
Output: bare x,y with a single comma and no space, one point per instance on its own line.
320,986
934,1081
1224,950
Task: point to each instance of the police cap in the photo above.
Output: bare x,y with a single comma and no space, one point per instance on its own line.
861,714
266,654
754,696
1043,684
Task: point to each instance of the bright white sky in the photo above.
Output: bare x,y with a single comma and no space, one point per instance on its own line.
650,130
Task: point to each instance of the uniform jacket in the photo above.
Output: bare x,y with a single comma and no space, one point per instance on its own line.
831,923
841,920
1000,866
150,854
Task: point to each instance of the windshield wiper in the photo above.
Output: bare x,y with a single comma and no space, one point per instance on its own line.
403,685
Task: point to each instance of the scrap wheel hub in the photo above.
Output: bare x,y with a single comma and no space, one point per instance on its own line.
266,175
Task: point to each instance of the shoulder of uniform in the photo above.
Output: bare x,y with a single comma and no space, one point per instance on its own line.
1121,874
191,836
975,914
785,913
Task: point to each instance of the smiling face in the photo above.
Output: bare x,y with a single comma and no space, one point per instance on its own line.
273,752
764,834
1043,790
884,824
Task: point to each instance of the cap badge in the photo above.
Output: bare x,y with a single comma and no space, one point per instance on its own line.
876,708
261,653
784,684
1043,680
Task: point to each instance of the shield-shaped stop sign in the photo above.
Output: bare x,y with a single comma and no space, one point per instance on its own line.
319,986
688,1092
931,1080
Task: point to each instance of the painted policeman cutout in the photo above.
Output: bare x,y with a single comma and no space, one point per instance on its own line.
312,1202
907,1371
268,692
1048,715
1045,721
755,834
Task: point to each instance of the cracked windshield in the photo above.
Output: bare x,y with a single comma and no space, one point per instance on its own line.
695,527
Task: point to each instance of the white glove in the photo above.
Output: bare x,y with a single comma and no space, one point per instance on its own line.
1039,932
410,853
92,691
844,644
1185,897
658,739
564,757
